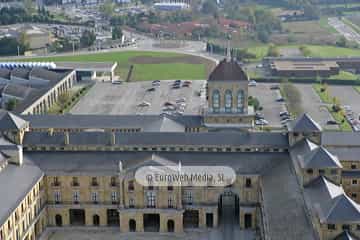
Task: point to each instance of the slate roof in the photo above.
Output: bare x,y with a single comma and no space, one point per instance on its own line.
148,123
21,73
351,139
330,204
218,139
304,124
105,163
15,183
228,71
46,74
283,204
319,158
5,73
9,121
346,153
346,236
18,91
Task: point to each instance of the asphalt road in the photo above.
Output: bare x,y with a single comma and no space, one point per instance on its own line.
312,105
347,96
107,98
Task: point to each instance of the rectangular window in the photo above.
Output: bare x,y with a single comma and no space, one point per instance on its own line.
76,197
310,171
57,197
321,171
333,171
131,203
75,182
94,182
150,199
113,181
354,182
331,226
353,195
56,182
94,197
188,197
114,197
171,202
346,227
353,166
248,182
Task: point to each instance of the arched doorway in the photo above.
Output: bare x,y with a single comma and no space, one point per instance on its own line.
132,225
58,220
170,226
96,220
228,208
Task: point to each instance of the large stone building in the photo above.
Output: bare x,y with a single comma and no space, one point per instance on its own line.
65,171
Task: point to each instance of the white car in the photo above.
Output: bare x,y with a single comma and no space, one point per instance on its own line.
144,104
261,122
252,83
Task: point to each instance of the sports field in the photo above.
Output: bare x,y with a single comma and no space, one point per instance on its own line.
147,65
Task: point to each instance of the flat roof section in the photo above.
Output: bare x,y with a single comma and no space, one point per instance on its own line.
88,66
310,65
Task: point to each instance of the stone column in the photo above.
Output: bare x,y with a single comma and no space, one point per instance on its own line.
163,223
139,222
202,218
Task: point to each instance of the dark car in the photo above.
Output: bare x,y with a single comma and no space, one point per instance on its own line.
175,86
331,122
274,87
151,89
280,100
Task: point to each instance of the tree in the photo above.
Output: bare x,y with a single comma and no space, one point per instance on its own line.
87,38
342,42
107,9
116,33
11,104
29,6
209,7
9,46
273,51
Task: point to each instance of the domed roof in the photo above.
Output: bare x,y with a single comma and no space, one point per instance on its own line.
228,71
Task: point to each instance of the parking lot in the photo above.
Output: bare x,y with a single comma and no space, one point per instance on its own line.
267,98
312,105
350,98
126,98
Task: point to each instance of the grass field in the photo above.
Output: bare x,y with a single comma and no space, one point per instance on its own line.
332,51
343,75
170,68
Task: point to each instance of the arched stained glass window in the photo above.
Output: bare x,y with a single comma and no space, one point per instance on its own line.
216,101
228,101
240,101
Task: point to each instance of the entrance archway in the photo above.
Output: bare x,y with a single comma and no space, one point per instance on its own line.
228,208
132,225
58,220
96,220
191,219
170,226
151,222
77,217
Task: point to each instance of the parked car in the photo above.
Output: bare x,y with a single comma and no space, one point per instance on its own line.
116,82
261,122
155,84
175,86
274,87
144,104
168,104
252,83
280,99
151,89
331,122
284,113
180,100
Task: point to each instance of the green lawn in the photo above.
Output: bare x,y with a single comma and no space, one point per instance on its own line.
259,51
343,75
141,72
340,119
324,95
323,22
332,51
